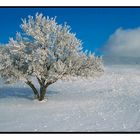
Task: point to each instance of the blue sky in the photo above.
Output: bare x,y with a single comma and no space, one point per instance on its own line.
92,25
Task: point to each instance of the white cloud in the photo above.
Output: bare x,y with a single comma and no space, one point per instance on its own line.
123,43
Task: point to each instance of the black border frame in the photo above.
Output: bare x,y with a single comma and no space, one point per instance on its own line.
75,132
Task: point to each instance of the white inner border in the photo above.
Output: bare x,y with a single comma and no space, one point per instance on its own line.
69,2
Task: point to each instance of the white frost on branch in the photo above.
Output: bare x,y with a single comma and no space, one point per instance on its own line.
47,51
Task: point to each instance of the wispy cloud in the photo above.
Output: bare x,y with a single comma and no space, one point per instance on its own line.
123,43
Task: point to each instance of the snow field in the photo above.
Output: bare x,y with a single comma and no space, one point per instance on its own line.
108,103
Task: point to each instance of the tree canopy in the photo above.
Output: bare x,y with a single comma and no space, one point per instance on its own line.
48,51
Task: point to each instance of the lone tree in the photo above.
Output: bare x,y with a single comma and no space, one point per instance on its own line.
47,51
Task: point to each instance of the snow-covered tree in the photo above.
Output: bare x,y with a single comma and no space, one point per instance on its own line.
47,51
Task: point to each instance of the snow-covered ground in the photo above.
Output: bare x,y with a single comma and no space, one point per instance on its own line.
108,103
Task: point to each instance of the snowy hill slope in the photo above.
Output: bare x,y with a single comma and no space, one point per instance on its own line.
109,103
112,60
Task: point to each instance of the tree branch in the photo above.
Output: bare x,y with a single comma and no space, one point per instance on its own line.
39,81
29,83
49,83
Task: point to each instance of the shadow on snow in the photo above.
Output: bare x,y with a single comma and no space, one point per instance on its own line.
15,92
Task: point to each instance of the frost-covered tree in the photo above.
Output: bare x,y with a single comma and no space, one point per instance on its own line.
47,51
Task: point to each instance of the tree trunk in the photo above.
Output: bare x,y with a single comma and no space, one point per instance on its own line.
42,93
39,95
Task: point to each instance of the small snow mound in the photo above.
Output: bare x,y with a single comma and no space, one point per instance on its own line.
43,101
